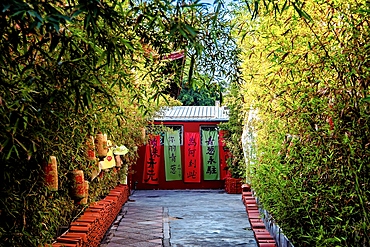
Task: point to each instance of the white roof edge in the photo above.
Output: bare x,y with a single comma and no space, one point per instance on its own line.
192,113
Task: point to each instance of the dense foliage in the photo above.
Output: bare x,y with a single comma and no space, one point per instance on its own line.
69,69
306,71
200,96
215,65
234,130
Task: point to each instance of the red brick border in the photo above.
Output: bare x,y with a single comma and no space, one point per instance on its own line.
263,237
89,229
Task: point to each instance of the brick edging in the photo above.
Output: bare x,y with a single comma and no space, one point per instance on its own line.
263,237
89,229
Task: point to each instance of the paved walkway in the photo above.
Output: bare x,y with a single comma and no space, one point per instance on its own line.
181,218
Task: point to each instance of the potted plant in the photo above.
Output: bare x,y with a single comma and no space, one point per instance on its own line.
236,167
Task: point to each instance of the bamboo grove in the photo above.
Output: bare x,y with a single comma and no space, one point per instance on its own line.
306,71
70,69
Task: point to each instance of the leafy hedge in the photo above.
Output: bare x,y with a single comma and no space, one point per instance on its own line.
67,71
306,71
70,69
234,130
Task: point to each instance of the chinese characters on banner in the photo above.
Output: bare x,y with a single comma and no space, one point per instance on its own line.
211,161
192,157
172,156
152,159
224,155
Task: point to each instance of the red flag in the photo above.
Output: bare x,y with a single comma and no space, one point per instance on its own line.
192,157
174,55
224,155
152,159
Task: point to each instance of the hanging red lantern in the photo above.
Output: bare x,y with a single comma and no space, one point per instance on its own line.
51,174
101,145
86,193
118,160
90,148
78,180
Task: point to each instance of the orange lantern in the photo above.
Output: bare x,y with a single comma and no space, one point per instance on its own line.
90,152
101,145
51,174
118,160
86,193
78,181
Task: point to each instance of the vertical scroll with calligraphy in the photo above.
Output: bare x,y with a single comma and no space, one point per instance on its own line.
172,156
210,155
152,159
192,157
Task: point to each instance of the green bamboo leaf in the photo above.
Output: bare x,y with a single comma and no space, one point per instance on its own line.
284,6
191,69
4,144
22,12
101,58
255,10
181,31
35,14
15,127
10,152
87,21
76,13
6,7
85,100
127,43
20,144
301,12
367,99
64,17
34,149
191,30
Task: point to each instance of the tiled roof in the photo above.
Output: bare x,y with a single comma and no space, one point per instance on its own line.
193,113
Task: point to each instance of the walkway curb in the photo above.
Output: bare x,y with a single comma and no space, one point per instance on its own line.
263,237
166,228
89,229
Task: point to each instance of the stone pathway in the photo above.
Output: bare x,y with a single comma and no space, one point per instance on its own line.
182,218
137,226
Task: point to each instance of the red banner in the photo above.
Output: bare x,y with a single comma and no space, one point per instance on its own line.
174,55
192,157
224,155
152,159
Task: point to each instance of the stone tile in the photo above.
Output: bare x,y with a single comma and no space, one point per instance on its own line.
144,244
114,245
117,240
158,241
158,235
128,241
128,229
137,236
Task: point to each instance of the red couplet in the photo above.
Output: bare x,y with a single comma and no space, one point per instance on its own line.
224,155
192,157
152,160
